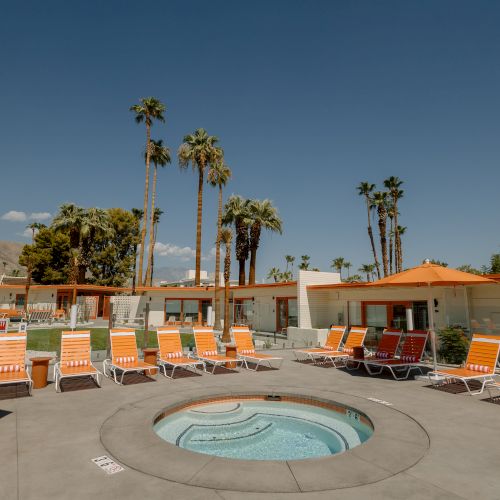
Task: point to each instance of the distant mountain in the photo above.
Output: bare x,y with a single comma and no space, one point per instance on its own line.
168,273
9,253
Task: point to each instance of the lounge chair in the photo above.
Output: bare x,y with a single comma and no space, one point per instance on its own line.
75,358
171,354
206,349
333,343
245,349
411,355
124,355
479,365
386,349
12,359
355,338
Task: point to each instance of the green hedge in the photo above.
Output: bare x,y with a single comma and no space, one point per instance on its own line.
454,345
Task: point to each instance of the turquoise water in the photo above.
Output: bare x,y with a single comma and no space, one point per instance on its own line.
263,430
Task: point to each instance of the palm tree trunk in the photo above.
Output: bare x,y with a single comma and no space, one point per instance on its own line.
251,272
153,256
198,226
135,270
226,337
217,323
146,200
383,242
392,250
372,241
241,276
397,241
149,278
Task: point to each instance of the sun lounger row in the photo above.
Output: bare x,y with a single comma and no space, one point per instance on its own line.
341,354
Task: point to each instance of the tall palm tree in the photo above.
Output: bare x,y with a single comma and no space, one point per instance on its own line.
367,269
262,216
401,232
338,264
392,248
380,202
218,176
290,259
236,211
148,109
365,189
304,264
160,155
226,236
274,273
347,265
392,184
34,226
156,220
138,215
198,149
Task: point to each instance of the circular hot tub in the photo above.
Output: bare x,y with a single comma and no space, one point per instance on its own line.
264,427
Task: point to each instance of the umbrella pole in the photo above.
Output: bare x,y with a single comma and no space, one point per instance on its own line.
430,307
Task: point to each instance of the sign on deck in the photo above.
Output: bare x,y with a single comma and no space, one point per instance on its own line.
107,465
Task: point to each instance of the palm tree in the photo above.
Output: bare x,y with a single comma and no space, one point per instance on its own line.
365,189
4,267
304,264
392,249
348,265
401,232
393,184
367,269
236,211
379,201
34,226
83,226
218,176
199,150
156,220
226,236
263,216
290,259
138,215
160,155
338,264
275,274
146,111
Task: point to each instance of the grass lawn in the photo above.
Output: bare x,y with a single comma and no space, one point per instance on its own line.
49,339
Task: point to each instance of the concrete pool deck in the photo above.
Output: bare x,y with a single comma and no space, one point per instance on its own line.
49,440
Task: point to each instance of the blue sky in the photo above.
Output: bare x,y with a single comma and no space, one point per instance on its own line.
307,98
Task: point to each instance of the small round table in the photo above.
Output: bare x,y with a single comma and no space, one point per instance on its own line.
39,371
150,357
231,353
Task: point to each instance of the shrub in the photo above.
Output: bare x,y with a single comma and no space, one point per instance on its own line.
454,345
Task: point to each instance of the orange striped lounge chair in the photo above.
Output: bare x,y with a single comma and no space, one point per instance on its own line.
409,359
355,338
245,349
206,349
171,354
333,343
124,355
12,359
75,358
386,349
479,365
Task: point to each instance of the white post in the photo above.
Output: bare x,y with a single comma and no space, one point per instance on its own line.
430,307
73,314
210,318
467,312
409,319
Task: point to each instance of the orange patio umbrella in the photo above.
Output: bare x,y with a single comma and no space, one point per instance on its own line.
431,275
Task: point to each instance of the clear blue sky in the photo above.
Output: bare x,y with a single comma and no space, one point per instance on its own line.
308,99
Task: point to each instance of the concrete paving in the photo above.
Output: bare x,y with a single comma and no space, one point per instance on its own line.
427,444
